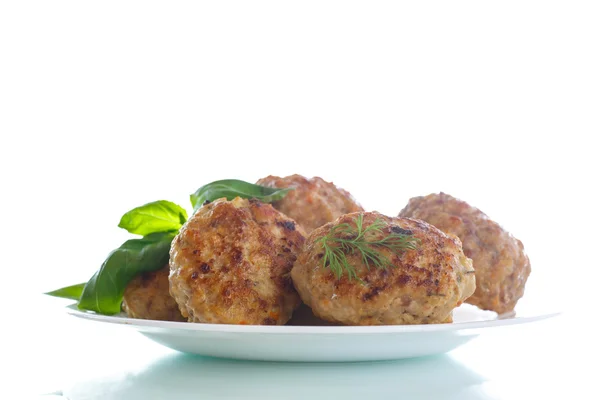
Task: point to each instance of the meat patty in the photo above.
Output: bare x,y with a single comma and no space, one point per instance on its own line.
501,265
147,297
420,286
313,202
231,262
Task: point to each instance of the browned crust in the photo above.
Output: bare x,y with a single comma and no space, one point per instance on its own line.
499,259
231,264
426,280
147,297
313,202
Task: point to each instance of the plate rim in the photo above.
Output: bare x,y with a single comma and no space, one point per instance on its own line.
299,329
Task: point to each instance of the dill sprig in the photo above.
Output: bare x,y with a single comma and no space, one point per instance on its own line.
345,239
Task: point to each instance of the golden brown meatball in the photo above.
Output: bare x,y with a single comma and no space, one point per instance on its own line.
313,202
147,297
501,265
231,262
421,285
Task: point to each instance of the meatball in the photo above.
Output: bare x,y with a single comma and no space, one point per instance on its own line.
231,263
421,285
147,297
313,202
501,265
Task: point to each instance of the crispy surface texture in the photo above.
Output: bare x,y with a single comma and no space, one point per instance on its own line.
313,202
422,286
231,262
147,297
501,265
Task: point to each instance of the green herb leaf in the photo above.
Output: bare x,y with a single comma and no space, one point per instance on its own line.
104,291
158,216
345,239
69,292
232,188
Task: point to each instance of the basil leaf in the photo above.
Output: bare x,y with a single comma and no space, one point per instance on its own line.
158,216
232,188
104,291
69,292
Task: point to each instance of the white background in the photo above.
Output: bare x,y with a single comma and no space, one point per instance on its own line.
108,105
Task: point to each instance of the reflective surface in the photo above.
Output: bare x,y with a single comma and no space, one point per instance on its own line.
511,364
192,376
87,361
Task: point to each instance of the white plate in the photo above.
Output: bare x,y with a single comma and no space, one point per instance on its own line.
317,343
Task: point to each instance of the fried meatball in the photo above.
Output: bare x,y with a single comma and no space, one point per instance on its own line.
231,262
501,265
313,202
147,297
420,286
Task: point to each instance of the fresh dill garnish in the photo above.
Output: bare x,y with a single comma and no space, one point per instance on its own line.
345,239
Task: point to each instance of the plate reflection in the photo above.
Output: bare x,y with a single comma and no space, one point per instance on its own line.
184,377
